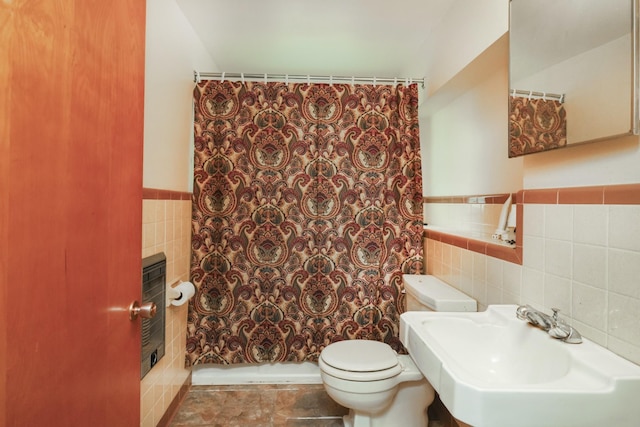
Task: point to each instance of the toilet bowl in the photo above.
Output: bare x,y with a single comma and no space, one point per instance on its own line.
379,387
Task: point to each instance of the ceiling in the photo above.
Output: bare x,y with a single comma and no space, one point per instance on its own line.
363,38
384,38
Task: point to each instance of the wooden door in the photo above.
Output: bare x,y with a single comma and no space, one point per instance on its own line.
71,137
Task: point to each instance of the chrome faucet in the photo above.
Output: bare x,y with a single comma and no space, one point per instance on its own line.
553,325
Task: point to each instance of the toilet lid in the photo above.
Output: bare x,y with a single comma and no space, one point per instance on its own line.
360,356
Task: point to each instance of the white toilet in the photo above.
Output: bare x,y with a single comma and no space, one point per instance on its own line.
380,387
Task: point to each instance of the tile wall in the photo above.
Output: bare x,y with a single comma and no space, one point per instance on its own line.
581,255
166,227
474,217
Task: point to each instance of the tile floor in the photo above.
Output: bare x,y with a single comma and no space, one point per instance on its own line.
258,405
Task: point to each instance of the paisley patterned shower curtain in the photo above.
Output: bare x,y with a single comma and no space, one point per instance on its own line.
307,210
536,125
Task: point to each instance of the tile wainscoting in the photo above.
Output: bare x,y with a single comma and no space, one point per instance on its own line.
166,227
474,219
580,253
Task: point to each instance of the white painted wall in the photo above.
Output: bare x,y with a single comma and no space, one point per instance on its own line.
467,29
597,89
173,52
464,141
609,162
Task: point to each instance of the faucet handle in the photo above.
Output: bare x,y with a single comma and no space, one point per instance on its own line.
555,313
521,311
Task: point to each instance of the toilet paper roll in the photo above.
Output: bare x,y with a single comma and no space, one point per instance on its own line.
186,291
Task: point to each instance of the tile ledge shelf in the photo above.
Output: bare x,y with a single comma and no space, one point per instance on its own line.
483,245
469,235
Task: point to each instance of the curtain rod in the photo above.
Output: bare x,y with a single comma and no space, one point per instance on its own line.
198,76
537,95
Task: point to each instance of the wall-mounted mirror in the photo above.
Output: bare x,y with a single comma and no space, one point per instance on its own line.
572,72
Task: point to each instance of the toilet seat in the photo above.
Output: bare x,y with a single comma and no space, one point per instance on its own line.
360,360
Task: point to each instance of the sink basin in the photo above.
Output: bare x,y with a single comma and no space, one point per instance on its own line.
491,369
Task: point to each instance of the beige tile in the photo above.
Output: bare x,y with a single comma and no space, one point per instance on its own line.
596,335
627,350
437,252
494,295
533,220
557,293
532,287
624,318
466,262
148,235
477,216
479,266
624,227
510,298
456,257
533,252
466,283
446,255
589,305
590,224
160,206
148,211
494,272
589,265
147,420
623,272
479,291
161,235
557,258
512,280
170,209
558,222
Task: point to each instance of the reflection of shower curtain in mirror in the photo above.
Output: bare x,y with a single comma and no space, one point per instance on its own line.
536,125
307,209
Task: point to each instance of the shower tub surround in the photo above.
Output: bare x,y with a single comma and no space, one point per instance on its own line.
581,254
251,373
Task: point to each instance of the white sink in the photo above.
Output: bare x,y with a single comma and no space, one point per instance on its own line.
494,370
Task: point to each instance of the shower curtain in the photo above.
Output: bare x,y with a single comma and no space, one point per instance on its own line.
307,210
536,125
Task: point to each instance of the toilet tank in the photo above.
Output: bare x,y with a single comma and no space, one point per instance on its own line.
428,293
